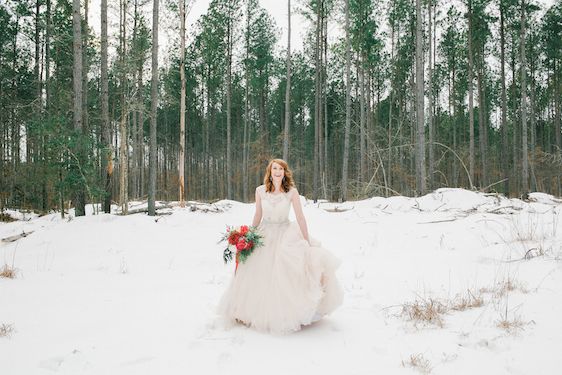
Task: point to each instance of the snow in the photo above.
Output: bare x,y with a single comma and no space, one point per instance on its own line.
109,294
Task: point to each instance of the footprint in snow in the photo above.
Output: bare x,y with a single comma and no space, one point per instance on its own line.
52,364
138,361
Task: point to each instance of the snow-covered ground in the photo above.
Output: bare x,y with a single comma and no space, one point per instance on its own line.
108,294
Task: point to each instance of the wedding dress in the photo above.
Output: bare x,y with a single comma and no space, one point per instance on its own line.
285,283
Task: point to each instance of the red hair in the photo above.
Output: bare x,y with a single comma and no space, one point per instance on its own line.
287,181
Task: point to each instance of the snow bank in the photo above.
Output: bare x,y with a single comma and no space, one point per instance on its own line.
109,294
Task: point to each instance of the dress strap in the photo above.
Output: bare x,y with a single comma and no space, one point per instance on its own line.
291,192
261,191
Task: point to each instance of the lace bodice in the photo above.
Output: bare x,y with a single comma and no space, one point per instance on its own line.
275,207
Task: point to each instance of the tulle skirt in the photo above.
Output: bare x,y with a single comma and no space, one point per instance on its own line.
284,284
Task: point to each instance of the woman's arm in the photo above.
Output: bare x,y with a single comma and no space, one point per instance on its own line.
257,215
295,199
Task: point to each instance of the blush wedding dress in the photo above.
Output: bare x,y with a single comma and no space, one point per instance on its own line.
286,283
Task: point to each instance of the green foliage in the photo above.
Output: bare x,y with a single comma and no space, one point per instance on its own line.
39,167
551,32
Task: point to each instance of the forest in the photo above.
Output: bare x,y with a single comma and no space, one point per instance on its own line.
388,97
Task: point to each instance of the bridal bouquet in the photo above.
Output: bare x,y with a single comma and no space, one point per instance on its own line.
242,241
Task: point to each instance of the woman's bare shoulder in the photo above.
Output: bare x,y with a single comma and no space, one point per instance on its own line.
293,191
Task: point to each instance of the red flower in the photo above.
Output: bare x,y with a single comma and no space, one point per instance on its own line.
244,229
233,238
241,245
249,245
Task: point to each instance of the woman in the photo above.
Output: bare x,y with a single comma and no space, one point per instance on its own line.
290,280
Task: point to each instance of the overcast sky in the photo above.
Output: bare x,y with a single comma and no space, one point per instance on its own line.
276,8
169,26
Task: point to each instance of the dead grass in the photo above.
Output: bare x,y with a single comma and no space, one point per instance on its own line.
512,325
504,287
426,311
534,235
6,218
8,272
430,311
525,230
6,330
467,301
418,362
511,285
501,293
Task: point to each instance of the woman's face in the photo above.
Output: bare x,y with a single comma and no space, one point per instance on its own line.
277,172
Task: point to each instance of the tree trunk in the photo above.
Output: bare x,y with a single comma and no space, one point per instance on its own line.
436,107
15,128
514,143
38,142
317,110
504,154
321,99
430,103
362,150
107,160
79,197
140,130
246,146
455,125
133,170
263,123
153,109
482,124
288,88
325,106
390,105
470,95
370,123
123,133
47,99
420,139
181,159
208,159
557,106
412,113
229,105
86,67
343,196
525,167
532,115
136,114
32,146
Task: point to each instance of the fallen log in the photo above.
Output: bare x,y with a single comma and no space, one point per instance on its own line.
440,221
337,209
16,237
205,207
498,210
144,209
191,205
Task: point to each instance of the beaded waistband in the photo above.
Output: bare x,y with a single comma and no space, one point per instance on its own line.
268,222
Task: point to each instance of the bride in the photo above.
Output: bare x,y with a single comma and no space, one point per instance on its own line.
289,281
